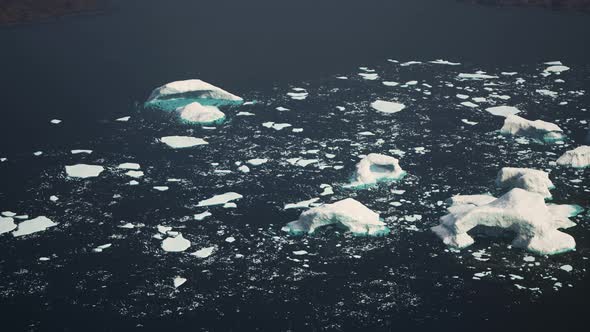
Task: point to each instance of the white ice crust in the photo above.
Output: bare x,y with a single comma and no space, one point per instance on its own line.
349,213
520,211
578,157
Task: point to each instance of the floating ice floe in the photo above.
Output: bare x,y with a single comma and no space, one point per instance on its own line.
84,171
134,166
55,121
388,107
469,104
541,130
556,69
503,110
578,157
369,76
548,93
476,76
276,126
195,113
180,93
202,216
33,226
102,247
204,252
161,188
123,119
220,199
532,180
257,161
348,213
390,83
444,62
134,174
302,204
298,94
175,243
81,151
409,63
375,168
471,123
181,142
302,162
520,211
178,281
6,225
53,198
245,114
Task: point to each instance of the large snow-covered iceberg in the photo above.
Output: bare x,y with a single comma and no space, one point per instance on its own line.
541,130
520,211
578,157
195,113
532,180
348,213
375,168
181,93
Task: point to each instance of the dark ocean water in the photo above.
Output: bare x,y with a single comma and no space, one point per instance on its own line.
90,70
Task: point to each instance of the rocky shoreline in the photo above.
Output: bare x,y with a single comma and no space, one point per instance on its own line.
22,11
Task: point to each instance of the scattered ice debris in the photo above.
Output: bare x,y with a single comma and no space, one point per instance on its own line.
161,188
33,226
134,166
471,123
81,151
532,180
476,76
204,252
220,199
375,168
202,216
181,142
178,281
349,213
123,119
180,93
6,225
444,62
302,204
175,243
84,171
566,268
276,126
503,110
196,113
388,107
55,121
102,247
548,93
3,159
520,211
577,158
257,161
541,130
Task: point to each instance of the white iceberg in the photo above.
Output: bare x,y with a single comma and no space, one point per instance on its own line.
375,168
178,281
578,157
203,253
503,110
220,199
201,216
134,166
276,126
444,62
180,93
181,142
348,213
84,171
175,244
556,69
532,180
519,211
6,225
476,76
33,226
541,130
196,113
388,107
257,161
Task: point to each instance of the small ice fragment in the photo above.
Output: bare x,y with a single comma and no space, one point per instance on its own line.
471,123
175,244
161,188
230,239
220,199
134,166
134,174
102,247
469,104
123,119
476,76
55,121
390,83
244,169
302,204
567,268
37,153
84,171
202,216
181,142
81,151
388,107
6,225
257,161
53,198
204,252
299,252
503,110
178,281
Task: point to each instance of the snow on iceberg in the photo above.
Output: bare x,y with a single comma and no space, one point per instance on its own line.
220,199
519,211
578,157
375,168
84,171
33,226
181,93
388,107
195,113
541,130
532,180
181,142
348,213
503,110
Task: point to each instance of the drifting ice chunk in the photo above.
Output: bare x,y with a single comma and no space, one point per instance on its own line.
375,168
176,244
369,76
276,126
203,253
557,69
301,205
444,62
349,213
202,216
181,142
257,161
476,76
387,106
83,171
180,93
134,174
544,131
503,110
520,211
220,199
33,226
81,151
547,93
578,157
201,114
389,83
532,180
178,281
123,119
134,166
6,225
